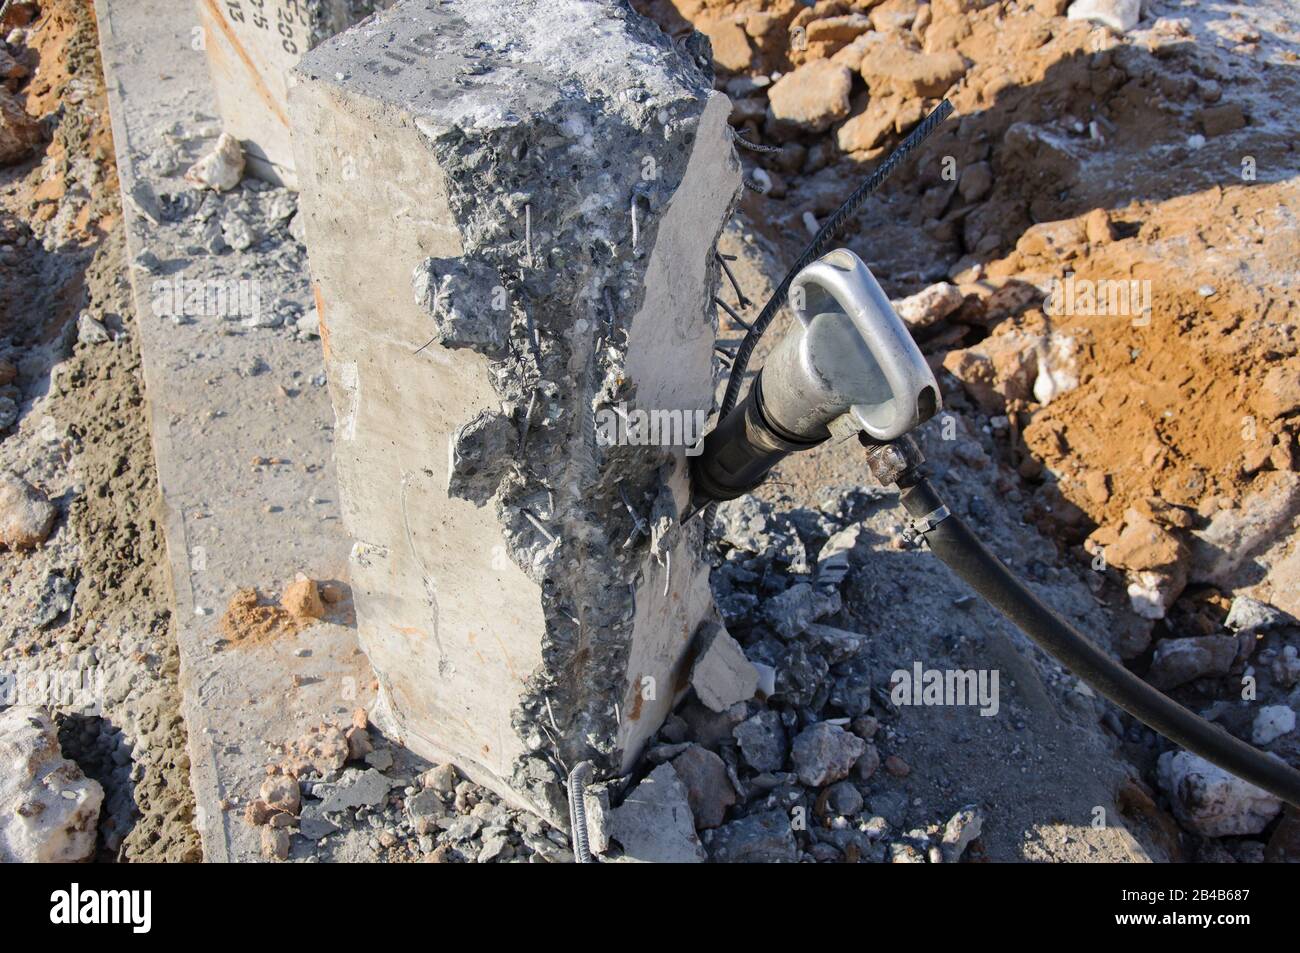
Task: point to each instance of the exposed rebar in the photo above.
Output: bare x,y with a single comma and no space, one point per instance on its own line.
579,778
742,302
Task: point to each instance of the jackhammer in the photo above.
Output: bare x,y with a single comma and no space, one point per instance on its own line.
847,366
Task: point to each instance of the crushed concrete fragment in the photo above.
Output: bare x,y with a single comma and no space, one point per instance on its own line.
1272,722
1251,615
26,516
654,823
1212,802
962,828
721,675
368,788
708,789
466,301
765,837
1120,15
48,808
791,612
824,753
221,168
1178,661
90,330
930,305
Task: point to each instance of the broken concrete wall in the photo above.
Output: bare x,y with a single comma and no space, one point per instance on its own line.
251,46
511,209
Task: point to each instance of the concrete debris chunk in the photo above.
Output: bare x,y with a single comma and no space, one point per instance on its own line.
314,825
708,789
762,740
1152,591
355,789
90,330
962,828
1178,661
721,675
1251,615
1233,534
26,515
49,810
791,612
1272,722
442,778
1120,15
838,645
765,837
930,305
1212,802
466,301
221,168
823,753
654,824
843,798
596,799
835,558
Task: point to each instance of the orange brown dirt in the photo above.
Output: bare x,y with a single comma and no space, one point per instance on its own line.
1197,407
251,618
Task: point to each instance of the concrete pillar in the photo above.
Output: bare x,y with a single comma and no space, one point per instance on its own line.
251,46
511,208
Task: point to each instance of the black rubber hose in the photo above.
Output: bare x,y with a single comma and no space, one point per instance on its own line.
953,542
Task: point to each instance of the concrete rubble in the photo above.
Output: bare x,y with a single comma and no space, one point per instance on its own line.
219,169
26,515
654,824
49,809
478,330
721,675
347,792
1211,801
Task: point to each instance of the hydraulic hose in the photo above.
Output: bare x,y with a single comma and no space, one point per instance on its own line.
953,542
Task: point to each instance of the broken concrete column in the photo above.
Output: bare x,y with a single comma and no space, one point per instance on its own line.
251,46
511,209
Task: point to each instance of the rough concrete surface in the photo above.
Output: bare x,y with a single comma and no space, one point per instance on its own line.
455,162
230,521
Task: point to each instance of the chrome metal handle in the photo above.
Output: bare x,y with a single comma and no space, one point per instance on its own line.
842,279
